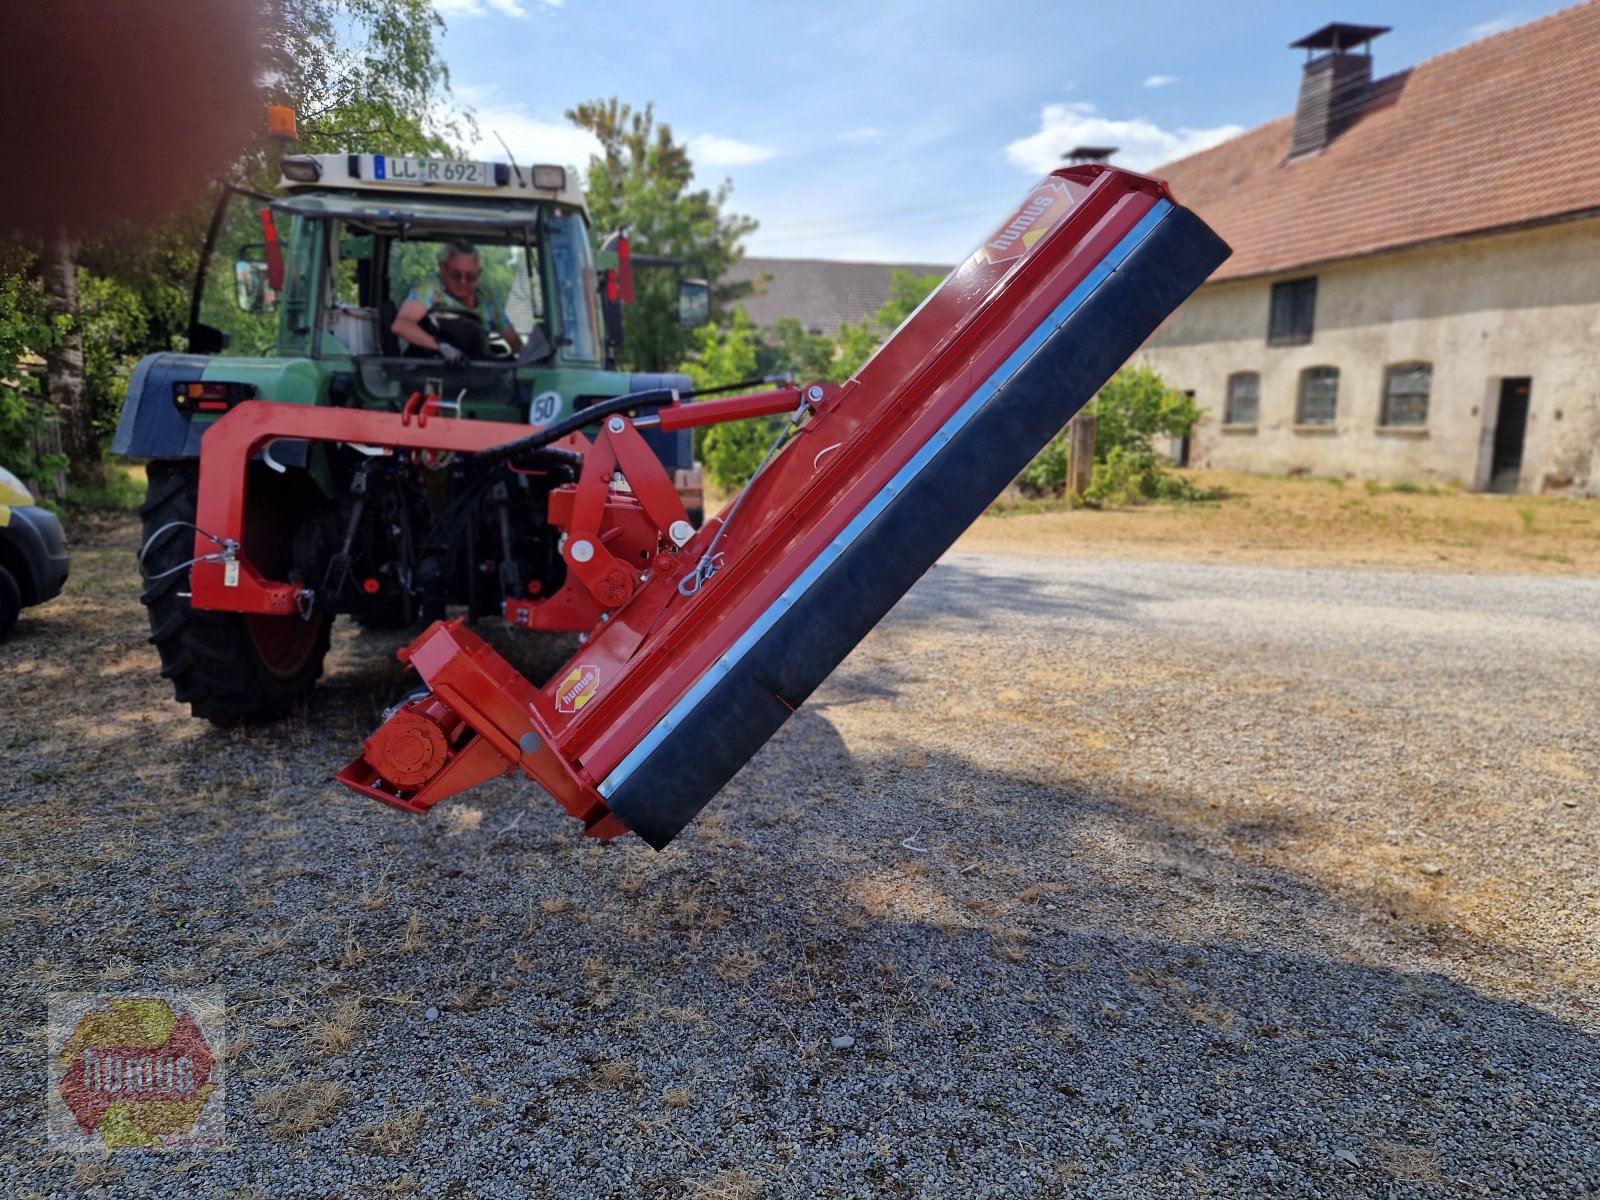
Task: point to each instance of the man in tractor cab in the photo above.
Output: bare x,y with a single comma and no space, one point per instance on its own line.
450,314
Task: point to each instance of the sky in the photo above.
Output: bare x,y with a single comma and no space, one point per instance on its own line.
892,131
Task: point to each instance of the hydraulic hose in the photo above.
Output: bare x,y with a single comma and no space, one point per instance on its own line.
654,398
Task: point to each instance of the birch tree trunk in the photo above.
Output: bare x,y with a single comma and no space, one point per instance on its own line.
64,375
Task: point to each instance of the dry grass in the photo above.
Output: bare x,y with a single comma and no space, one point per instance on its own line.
1408,1163
393,1135
292,1110
676,1097
462,818
609,1075
336,1032
412,940
1355,524
727,1185
738,965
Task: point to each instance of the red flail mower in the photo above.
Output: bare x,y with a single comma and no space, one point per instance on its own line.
704,641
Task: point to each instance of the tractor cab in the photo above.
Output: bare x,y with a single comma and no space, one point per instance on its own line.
321,273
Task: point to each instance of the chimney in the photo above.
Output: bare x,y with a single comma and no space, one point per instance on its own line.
1089,154
1338,75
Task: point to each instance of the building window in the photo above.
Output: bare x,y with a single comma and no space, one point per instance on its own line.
1406,388
1244,399
1294,312
1319,396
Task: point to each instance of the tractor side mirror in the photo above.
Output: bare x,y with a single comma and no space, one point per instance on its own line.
694,303
251,287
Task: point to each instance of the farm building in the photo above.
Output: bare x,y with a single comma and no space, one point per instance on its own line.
1414,291
821,294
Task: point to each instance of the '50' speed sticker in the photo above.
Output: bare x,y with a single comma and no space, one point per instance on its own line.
545,408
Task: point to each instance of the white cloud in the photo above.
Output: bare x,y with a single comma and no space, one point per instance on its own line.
1489,28
1160,80
1141,144
479,8
865,136
714,150
531,140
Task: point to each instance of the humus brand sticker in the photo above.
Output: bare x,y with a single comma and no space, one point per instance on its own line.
1045,205
135,1071
577,688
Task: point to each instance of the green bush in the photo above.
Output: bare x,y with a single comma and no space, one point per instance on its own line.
1046,475
25,413
1131,411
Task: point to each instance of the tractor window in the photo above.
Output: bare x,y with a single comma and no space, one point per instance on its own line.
574,281
236,298
350,321
513,292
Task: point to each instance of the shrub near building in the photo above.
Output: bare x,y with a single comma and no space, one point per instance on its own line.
1131,411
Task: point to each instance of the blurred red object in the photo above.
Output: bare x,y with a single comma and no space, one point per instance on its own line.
120,111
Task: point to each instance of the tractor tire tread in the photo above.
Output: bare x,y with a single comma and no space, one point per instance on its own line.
210,657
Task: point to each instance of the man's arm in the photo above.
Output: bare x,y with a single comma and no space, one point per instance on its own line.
513,339
408,325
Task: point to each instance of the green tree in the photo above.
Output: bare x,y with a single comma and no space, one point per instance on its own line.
27,434
857,343
641,181
730,452
1134,408
362,75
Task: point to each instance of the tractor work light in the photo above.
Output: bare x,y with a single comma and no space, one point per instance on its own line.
280,122
302,168
548,177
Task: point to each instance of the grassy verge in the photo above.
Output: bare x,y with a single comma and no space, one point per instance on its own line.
1314,522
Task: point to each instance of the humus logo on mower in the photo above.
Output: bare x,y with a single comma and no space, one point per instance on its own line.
135,1071
577,688
1046,205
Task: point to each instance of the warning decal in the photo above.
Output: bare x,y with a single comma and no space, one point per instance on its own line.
577,688
1045,205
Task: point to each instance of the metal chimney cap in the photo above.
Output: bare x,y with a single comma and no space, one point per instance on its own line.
1339,36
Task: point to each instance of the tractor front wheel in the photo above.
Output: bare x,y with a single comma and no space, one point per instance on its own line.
230,668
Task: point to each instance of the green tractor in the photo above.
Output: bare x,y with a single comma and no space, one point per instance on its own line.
316,297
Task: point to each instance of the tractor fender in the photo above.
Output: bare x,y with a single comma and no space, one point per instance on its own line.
152,427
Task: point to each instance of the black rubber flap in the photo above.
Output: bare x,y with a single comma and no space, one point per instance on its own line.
747,706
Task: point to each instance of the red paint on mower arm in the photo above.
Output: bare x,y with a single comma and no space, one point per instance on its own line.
591,730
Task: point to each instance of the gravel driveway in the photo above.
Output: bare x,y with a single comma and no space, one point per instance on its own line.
1079,878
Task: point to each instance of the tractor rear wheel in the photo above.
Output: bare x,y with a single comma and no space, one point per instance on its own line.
230,668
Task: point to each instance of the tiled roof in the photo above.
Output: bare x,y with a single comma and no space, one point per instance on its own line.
1504,131
821,294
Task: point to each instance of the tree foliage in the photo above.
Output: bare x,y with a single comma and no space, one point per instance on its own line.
27,442
362,75
857,342
1133,409
642,181
730,452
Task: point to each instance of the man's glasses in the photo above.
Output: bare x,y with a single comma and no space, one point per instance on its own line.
463,276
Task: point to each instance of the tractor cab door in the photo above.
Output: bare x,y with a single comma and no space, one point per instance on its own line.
252,291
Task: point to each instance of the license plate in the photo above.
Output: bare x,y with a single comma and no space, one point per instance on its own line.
391,169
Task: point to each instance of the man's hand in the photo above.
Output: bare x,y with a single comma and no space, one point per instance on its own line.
452,356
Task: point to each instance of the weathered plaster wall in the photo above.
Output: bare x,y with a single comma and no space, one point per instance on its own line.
1480,310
